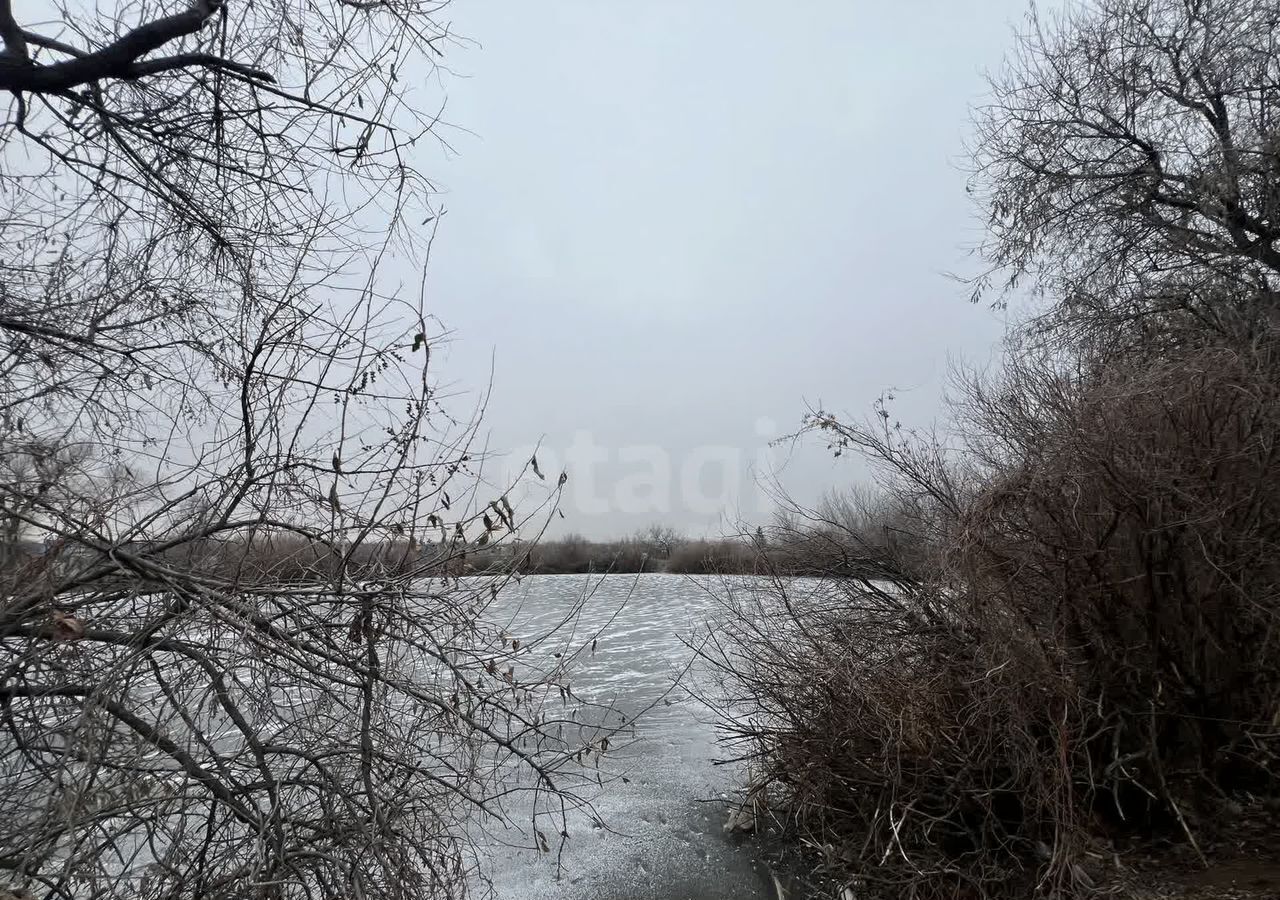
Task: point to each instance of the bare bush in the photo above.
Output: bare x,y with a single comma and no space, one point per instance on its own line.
1091,657
713,557
655,549
1085,652
853,533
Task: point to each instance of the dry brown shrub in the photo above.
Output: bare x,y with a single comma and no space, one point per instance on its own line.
1088,658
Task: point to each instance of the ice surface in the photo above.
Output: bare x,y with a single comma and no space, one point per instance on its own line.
663,838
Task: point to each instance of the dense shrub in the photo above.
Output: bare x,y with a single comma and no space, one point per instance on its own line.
713,557
849,534
1077,646
652,550
1088,654
575,555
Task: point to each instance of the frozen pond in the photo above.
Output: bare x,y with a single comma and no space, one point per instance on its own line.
664,838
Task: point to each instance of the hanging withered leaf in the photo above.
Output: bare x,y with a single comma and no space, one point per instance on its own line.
488,523
515,644
533,461
66,627
418,340
564,476
502,514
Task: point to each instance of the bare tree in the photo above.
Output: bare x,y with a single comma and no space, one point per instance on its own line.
228,122
184,712
166,165
1127,158
234,666
662,539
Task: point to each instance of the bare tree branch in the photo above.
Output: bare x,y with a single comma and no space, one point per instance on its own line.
116,60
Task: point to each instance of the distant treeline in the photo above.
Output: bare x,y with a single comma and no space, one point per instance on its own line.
783,548
832,546
644,552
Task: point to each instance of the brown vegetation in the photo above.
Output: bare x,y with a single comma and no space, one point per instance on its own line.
1069,650
652,550
1089,655
575,555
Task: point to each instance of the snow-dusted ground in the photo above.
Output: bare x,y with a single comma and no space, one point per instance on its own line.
664,839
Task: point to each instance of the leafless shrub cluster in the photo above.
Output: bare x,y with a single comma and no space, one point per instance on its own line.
574,555
723,556
1070,646
1089,654
654,549
232,664
853,533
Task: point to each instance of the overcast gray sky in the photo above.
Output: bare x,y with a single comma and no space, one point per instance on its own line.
675,223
